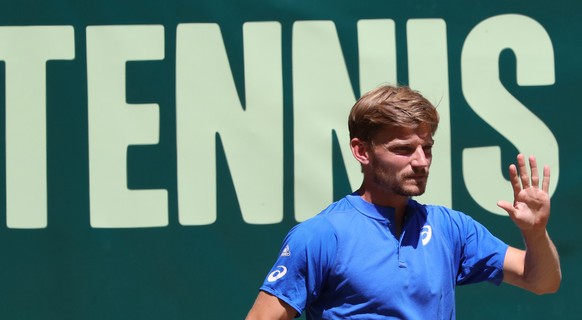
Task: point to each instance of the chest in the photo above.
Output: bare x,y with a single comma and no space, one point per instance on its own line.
373,266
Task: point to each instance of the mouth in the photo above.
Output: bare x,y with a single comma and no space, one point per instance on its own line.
418,177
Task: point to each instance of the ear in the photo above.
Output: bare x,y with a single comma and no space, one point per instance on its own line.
360,150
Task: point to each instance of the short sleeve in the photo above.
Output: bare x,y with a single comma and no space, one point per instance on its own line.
482,255
303,263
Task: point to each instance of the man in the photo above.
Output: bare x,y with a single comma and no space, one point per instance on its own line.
378,254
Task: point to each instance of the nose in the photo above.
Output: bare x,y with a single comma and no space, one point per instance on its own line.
420,158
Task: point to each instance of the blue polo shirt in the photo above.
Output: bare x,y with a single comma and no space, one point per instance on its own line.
346,263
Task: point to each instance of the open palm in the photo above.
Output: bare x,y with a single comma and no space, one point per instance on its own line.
530,209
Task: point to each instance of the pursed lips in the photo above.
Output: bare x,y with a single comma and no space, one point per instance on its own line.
417,176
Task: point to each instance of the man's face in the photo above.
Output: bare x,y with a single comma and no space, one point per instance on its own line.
400,160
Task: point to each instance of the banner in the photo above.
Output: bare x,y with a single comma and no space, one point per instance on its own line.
156,153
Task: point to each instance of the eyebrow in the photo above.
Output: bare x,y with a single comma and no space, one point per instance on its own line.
400,142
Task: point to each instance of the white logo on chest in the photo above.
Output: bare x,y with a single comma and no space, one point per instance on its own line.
425,234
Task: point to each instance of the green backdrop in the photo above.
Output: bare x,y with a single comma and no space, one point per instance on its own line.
157,152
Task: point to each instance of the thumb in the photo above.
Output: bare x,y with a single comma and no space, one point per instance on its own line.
508,207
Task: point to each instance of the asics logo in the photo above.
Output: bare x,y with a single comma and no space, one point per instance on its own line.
425,234
279,273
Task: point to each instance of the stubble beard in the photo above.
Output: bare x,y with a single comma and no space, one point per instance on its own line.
399,185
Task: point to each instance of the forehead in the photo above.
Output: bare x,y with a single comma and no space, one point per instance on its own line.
420,134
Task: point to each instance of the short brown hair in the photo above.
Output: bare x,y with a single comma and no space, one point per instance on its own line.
390,106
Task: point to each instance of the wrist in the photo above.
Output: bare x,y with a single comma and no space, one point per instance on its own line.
535,235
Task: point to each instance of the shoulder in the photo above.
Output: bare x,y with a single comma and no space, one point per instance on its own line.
313,228
331,215
328,224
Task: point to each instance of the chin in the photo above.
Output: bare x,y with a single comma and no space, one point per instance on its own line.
413,191
415,194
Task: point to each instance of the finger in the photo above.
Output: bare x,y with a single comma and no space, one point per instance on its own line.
535,179
522,171
514,179
546,181
508,207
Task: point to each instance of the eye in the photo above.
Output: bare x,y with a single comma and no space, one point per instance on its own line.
403,150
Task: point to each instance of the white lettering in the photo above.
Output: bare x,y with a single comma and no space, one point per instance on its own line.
321,91
207,103
487,96
115,124
322,98
209,111
377,53
26,51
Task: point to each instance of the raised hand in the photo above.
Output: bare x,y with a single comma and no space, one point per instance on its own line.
530,209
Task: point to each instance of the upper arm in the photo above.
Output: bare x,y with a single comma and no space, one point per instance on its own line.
267,306
513,267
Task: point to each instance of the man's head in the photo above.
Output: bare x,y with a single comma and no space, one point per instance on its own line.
390,106
391,133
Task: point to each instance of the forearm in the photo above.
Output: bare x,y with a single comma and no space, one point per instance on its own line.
536,269
542,263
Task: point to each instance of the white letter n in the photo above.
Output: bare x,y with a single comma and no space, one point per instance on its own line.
207,103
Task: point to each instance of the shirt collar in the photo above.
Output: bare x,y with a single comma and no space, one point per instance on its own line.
375,211
369,209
